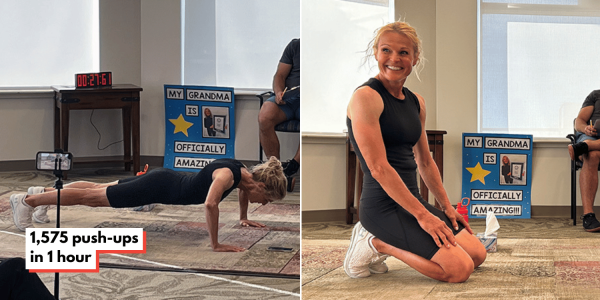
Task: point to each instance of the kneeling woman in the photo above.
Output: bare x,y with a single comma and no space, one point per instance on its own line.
262,183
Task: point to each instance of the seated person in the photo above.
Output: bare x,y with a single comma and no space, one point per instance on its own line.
16,283
588,147
283,106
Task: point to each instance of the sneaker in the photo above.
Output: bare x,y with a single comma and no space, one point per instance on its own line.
21,211
40,213
290,167
378,266
590,223
578,149
359,254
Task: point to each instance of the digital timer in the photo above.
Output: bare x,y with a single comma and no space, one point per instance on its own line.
93,80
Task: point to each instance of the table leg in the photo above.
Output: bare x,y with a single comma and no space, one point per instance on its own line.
359,185
126,117
350,183
57,141
64,128
135,133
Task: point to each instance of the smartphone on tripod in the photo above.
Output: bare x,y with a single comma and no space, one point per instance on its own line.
53,161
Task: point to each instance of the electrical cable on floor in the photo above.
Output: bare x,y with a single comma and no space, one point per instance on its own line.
100,135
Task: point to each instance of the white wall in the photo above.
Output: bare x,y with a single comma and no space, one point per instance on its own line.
27,118
140,42
449,86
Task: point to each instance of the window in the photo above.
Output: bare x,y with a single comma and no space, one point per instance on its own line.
47,42
538,60
335,34
236,43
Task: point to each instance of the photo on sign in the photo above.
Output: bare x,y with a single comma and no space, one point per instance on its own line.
516,171
220,123
215,122
512,169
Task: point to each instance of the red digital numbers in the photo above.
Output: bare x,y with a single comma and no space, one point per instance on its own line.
92,80
81,80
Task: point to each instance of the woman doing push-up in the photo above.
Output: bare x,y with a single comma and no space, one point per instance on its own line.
262,183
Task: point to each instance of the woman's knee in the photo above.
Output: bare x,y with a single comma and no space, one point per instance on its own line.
460,271
479,256
472,246
456,264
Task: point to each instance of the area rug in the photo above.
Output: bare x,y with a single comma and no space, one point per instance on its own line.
525,266
176,235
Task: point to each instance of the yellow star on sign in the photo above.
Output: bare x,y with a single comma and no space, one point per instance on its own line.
477,173
181,125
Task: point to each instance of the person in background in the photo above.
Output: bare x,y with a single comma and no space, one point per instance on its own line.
16,283
506,170
283,106
587,147
208,122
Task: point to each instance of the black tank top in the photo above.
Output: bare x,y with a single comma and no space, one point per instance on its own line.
197,185
400,128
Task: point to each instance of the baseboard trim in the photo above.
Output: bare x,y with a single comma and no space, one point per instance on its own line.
538,211
323,215
557,211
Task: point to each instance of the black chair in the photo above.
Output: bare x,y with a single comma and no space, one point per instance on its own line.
286,126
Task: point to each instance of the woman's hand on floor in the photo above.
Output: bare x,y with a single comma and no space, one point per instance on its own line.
227,248
248,223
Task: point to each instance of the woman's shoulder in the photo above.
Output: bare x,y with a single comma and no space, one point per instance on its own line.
365,101
366,95
225,162
372,83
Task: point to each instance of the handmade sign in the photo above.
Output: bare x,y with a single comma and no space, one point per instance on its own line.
199,126
496,174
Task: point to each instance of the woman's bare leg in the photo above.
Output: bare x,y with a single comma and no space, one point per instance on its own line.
472,246
454,264
82,185
71,196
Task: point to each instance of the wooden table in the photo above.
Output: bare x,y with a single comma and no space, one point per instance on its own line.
120,96
354,186
436,146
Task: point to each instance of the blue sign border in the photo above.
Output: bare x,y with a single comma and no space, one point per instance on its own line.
483,181
188,145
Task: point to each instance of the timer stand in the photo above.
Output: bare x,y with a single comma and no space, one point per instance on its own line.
57,161
58,185
124,97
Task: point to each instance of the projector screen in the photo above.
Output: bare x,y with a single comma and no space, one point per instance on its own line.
334,37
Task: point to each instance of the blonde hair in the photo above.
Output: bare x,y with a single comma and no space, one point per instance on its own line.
271,174
404,29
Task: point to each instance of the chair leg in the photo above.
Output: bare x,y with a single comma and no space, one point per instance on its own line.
260,152
573,193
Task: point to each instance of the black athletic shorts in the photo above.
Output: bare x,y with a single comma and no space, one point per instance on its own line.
388,221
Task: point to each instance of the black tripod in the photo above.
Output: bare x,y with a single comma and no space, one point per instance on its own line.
58,185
